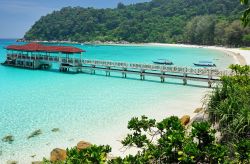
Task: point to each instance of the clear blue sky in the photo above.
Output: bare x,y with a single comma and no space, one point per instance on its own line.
17,16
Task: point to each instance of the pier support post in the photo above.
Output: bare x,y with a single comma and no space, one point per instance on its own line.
124,75
162,79
209,81
209,84
142,74
107,73
185,81
93,69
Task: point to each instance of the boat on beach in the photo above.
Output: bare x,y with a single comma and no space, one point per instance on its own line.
163,62
205,64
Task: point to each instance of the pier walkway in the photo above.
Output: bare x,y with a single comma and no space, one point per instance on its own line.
209,75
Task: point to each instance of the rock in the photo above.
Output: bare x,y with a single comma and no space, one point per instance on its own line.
58,155
200,117
83,145
55,130
218,136
35,133
8,138
199,110
185,120
33,156
12,162
37,162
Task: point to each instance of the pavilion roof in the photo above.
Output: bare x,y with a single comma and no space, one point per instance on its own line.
36,47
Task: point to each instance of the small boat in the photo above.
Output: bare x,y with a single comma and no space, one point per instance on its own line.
205,64
163,61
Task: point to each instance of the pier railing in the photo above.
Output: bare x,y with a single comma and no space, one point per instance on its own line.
160,68
209,75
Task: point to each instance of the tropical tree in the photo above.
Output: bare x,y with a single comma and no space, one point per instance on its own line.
168,142
246,14
229,109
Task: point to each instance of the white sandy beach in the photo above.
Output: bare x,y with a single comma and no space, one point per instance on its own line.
241,56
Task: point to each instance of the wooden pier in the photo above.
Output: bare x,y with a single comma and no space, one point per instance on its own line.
185,74
35,59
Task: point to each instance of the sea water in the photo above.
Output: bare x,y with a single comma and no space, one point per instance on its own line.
92,108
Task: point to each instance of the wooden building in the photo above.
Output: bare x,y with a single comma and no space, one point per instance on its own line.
38,56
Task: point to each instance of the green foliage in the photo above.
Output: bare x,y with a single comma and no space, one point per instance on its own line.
168,142
93,154
246,15
166,21
245,48
229,107
243,151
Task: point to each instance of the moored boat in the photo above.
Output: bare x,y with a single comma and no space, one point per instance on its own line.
163,61
205,64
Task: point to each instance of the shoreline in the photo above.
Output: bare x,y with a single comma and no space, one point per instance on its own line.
241,57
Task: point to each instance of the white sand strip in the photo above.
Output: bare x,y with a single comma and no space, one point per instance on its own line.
241,56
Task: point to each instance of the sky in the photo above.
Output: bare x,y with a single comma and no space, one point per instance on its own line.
17,16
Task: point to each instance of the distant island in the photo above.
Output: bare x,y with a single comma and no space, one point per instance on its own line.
213,22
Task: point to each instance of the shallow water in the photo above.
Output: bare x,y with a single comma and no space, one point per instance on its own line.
87,107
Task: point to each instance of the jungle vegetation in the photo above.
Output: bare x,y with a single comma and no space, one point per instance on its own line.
206,22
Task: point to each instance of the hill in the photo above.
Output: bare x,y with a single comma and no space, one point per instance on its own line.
166,21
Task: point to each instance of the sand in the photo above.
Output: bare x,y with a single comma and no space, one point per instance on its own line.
241,57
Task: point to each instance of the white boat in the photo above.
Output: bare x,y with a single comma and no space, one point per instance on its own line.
163,61
205,64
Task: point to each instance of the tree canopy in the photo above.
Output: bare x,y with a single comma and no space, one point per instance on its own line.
166,21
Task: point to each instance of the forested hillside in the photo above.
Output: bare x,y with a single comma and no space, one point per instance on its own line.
167,21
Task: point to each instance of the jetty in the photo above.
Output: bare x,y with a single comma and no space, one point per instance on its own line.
38,56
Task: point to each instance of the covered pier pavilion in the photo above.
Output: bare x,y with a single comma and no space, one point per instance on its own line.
39,56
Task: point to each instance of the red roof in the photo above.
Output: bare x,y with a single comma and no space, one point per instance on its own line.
42,48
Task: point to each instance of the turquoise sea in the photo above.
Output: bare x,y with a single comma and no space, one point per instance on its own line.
93,108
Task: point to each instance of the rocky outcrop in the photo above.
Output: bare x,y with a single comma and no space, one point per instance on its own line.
185,120
58,155
55,130
37,162
35,133
12,162
199,110
200,117
8,138
83,145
